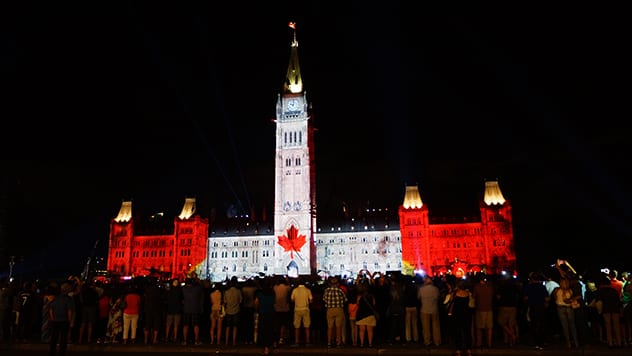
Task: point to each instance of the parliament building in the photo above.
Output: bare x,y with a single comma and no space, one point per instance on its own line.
406,241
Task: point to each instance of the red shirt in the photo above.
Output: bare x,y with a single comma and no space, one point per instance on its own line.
133,304
618,286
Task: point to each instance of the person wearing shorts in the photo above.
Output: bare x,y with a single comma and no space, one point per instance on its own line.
301,296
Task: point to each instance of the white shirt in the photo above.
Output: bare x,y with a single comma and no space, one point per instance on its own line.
301,296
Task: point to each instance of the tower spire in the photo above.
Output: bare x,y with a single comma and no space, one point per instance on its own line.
293,81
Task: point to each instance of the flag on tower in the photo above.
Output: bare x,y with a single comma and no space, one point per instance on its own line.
292,25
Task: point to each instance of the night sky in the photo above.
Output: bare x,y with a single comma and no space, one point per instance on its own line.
158,102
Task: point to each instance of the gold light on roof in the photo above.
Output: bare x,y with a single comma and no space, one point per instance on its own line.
189,208
125,214
294,82
412,199
493,195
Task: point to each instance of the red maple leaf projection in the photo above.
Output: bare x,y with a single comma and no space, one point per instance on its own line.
292,241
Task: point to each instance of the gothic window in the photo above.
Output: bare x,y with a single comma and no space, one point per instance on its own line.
300,137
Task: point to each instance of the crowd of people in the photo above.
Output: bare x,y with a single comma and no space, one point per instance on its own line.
556,306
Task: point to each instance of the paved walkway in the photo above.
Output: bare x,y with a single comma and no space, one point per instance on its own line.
319,350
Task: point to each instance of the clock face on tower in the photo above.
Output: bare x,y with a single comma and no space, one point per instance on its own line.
293,105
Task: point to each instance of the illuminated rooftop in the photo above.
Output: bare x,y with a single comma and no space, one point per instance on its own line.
493,195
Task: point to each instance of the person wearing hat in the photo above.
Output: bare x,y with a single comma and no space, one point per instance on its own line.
335,300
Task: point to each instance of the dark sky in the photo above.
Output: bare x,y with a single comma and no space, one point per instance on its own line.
157,102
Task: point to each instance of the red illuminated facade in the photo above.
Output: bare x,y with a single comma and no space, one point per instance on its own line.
174,254
458,248
420,243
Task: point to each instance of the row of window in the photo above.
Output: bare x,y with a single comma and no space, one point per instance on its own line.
152,253
288,162
363,239
150,243
365,265
244,267
295,137
455,232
